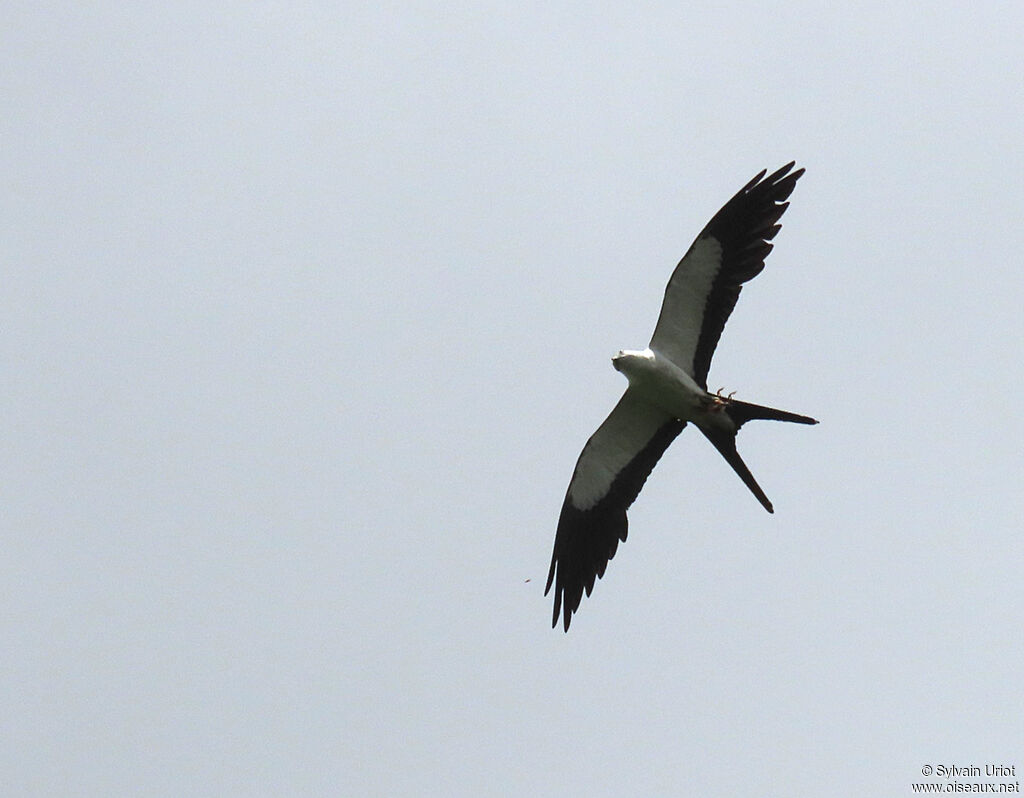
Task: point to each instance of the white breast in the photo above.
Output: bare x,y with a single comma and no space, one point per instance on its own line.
663,383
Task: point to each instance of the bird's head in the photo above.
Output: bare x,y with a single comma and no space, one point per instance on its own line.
626,360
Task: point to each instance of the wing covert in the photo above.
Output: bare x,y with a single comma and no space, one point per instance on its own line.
729,251
610,472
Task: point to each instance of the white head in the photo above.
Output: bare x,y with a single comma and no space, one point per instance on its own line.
627,360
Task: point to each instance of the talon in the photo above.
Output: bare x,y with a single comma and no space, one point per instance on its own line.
731,395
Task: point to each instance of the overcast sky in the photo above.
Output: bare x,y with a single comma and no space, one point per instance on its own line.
307,310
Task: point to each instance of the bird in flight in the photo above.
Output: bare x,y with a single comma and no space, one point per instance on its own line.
668,387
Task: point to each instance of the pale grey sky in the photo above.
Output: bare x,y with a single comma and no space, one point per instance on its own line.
307,310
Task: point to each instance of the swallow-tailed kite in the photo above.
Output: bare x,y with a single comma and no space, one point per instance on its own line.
668,387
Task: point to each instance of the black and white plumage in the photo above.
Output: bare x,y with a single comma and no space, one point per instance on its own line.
668,388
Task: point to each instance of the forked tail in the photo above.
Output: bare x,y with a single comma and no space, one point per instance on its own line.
725,442
742,412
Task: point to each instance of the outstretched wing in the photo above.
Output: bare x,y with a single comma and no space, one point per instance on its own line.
611,471
706,284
